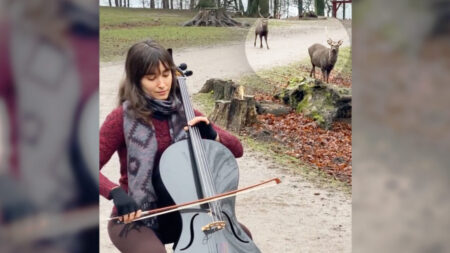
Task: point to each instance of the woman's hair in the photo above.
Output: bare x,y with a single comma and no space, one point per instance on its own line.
142,59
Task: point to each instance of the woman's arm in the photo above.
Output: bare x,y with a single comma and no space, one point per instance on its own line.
227,139
111,138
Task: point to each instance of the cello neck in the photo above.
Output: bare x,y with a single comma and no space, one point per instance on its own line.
196,143
188,108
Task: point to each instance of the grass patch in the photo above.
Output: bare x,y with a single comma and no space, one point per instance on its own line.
115,42
204,102
344,62
122,27
272,81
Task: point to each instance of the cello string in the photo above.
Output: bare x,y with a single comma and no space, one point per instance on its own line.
207,179
197,144
210,177
202,155
195,140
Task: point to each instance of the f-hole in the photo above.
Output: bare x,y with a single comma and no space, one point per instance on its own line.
233,230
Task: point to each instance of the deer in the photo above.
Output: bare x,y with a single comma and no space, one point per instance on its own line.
262,30
324,58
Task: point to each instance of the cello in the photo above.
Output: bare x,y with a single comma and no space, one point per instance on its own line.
194,169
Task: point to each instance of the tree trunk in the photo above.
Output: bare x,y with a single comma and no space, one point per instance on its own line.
275,9
329,7
343,11
110,4
181,4
192,4
320,7
255,7
171,4
212,17
300,8
116,2
165,4
287,8
152,4
241,6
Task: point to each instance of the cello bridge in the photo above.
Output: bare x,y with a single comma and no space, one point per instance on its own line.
214,226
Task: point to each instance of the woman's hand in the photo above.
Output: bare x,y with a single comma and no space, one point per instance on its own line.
127,208
205,128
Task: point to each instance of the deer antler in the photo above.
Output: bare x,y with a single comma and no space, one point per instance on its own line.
259,12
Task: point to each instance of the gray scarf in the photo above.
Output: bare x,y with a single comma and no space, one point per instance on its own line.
142,147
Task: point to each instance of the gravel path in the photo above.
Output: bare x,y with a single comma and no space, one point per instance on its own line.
296,216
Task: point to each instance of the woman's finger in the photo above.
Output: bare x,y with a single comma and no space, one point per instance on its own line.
138,213
126,218
131,216
197,119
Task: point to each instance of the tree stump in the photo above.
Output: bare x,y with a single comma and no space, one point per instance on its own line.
213,17
264,107
325,103
222,108
235,114
222,89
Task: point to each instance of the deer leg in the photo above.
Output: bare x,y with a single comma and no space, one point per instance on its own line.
256,36
265,38
260,41
313,71
324,74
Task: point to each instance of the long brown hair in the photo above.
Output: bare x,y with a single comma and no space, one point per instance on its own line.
144,58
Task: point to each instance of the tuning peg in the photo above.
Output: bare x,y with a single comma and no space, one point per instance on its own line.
182,66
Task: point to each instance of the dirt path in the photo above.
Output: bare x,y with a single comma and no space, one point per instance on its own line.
295,216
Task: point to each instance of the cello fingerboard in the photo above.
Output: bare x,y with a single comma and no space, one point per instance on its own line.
198,150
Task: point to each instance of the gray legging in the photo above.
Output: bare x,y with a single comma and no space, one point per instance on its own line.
137,238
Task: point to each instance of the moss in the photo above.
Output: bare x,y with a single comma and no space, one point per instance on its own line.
316,116
295,81
304,103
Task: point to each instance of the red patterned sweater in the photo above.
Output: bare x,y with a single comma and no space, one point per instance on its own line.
112,139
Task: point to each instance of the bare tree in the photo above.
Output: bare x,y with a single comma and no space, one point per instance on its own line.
307,4
300,8
287,8
165,4
328,7
254,7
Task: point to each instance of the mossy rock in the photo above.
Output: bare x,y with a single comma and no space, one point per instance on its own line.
322,102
